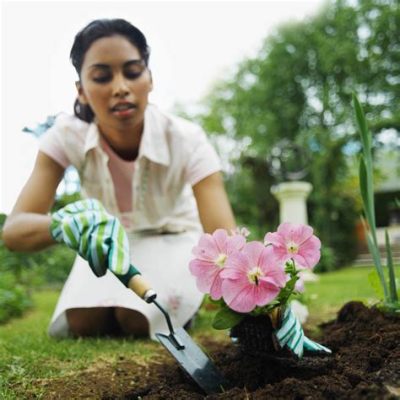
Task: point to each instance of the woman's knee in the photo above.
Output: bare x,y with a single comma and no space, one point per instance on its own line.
132,322
91,321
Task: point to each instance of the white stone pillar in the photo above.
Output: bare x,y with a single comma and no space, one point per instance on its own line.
292,198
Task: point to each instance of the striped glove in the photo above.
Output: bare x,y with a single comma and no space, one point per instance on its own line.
291,334
85,226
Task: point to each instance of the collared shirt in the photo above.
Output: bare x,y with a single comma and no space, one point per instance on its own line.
174,154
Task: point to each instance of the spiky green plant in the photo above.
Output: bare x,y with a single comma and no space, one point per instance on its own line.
390,296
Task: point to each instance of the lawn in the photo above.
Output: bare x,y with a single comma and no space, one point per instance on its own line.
28,354
334,289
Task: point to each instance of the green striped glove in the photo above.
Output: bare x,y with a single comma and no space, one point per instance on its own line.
291,334
85,226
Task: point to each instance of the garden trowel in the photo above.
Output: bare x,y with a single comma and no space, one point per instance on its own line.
182,347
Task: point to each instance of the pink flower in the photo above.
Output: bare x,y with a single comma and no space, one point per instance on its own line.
211,255
251,278
297,242
240,231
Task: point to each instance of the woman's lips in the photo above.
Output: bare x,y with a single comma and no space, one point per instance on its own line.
123,113
123,110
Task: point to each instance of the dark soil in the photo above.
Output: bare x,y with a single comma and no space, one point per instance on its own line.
365,365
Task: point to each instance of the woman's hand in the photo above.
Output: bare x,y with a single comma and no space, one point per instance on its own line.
291,334
27,227
86,227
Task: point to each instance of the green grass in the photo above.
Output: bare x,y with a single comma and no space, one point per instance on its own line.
334,289
28,354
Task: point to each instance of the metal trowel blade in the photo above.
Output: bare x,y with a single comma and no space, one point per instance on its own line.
193,360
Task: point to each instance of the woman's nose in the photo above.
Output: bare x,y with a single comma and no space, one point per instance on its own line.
120,87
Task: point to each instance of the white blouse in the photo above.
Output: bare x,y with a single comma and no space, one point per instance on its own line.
174,155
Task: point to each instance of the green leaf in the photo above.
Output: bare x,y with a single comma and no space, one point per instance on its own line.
362,124
285,292
368,207
378,265
226,319
366,167
391,307
290,267
265,309
392,277
219,302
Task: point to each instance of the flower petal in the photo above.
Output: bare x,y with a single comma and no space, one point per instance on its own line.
267,258
281,254
310,251
231,273
206,249
205,274
253,251
243,300
216,287
220,237
301,233
275,239
265,293
237,260
235,243
230,288
275,276
297,233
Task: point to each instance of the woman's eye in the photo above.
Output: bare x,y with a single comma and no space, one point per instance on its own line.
133,74
101,79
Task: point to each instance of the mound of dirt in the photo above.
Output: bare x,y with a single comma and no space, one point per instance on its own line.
365,364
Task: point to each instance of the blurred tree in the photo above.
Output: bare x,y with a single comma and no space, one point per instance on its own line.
299,87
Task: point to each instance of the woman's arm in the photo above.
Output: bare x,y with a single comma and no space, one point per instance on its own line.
213,204
27,227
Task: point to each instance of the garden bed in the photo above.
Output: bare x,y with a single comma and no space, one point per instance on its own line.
365,365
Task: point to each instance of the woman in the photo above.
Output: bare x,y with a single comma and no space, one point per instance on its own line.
156,173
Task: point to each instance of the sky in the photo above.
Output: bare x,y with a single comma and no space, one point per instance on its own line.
193,44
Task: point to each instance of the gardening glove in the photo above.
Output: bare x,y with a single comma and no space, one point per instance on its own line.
291,334
86,227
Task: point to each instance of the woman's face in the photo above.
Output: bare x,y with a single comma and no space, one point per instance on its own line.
115,82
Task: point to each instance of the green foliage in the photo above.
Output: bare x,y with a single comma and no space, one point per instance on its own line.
328,260
286,292
226,318
390,297
375,283
298,87
14,298
20,273
49,266
392,278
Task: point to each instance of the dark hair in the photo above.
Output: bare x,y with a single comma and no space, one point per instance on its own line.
95,30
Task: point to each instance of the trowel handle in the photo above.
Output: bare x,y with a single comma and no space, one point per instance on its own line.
142,288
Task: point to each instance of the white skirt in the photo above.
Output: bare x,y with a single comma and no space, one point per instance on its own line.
163,261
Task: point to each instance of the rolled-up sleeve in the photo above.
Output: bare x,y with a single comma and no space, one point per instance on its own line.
202,159
50,144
